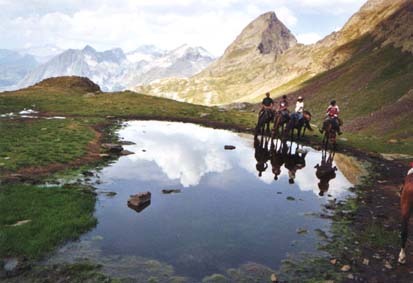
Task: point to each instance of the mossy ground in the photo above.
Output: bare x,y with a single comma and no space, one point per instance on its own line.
55,214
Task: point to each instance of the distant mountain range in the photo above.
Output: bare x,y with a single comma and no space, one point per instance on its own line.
113,69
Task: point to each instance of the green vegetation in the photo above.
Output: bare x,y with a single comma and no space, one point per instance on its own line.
54,214
42,142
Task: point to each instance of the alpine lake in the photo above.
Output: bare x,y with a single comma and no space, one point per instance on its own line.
214,213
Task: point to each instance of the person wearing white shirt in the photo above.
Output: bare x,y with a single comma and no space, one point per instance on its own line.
299,108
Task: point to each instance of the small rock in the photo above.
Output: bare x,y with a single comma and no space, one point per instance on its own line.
6,158
279,193
302,231
143,150
22,222
112,147
343,139
203,115
274,278
290,198
392,141
103,155
87,173
345,268
350,276
97,238
10,264
333,261
127,143
229,147
366,261
175,191
126,152
43,129
388,265
110,194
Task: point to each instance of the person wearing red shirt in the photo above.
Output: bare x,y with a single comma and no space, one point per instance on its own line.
332,113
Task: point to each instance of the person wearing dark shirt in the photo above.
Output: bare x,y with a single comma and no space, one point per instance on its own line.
267,102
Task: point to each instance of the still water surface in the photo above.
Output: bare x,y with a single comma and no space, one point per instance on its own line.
224,216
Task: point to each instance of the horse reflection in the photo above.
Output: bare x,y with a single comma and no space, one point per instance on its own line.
262,155
278,157
294,162
325,172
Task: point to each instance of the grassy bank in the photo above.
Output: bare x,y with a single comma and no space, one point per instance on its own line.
53,215
40,142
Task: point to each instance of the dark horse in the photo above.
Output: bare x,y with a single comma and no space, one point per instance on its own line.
280,119
406,205
330,134
299,124
263,124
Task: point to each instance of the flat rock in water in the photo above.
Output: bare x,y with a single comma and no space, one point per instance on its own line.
139,199
127,143
229,147
174,191
112,147
126,152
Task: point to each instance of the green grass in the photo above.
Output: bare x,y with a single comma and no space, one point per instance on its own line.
56,214
41,142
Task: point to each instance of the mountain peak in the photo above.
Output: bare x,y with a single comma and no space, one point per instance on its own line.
266,34
89,49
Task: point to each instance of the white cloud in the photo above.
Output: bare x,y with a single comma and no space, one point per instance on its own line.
286,16
309,38
129,23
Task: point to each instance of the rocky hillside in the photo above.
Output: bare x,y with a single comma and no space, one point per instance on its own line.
68,83
249,67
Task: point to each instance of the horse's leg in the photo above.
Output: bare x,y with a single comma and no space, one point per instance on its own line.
405,211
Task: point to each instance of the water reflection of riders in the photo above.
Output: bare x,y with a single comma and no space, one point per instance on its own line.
325,172
278,158
262,155
294,162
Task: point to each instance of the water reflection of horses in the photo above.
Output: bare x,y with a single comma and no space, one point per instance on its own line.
279,154
325,171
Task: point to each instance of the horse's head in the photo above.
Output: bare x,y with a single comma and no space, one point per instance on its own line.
307,115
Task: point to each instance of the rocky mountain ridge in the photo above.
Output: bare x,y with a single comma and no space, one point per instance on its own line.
114,70
244,73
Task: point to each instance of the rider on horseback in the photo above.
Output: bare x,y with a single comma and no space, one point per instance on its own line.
283,108
267,102
299,109
332,115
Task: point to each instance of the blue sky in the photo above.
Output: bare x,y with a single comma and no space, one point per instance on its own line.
213,24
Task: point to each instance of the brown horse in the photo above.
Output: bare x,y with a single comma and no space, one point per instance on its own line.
299,124
406,205
330,134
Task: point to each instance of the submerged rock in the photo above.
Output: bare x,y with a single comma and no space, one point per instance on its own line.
229,147
175,191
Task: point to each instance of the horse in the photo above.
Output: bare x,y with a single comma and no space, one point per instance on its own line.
330,134
299,124
280,119
263,124
406,205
